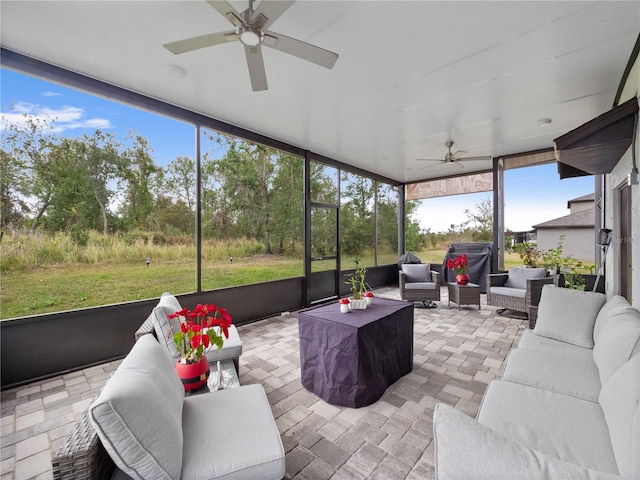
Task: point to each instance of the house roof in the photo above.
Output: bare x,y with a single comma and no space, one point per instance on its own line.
590,197
583,219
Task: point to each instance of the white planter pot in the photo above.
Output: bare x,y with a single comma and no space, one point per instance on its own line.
358,304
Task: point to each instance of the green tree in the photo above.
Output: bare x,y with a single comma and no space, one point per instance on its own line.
180,179
481,221
13,191
137,174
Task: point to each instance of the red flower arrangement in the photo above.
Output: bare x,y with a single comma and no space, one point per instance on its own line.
200,329
459,264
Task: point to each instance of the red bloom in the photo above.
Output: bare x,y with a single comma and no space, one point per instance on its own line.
192,335
459,263
182,313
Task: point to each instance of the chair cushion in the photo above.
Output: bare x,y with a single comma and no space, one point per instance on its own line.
165,327
420,286
138,414
620,402
244,441
518,276
618,342
509,292
568,315
417,272
530,341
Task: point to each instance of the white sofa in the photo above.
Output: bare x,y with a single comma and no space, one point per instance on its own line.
162,327
567,405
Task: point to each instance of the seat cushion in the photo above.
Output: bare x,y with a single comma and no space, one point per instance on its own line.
138,414
620,401
568,315
557,425
618,342
420,286
232,347
467,449
555,373
231,434
417,272
530,341
518,276
509,292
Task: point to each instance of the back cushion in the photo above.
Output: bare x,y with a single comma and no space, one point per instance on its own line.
417,272
618,341
518,276
568,315
613,306
138,414
620,401
165,328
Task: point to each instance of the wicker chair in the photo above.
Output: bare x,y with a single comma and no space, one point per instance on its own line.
418,283
500,293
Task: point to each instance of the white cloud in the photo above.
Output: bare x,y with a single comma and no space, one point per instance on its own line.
59,119
50,94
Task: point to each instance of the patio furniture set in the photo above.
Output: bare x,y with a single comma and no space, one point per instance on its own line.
568,402
143,425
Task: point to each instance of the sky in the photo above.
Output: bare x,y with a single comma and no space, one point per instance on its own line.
532,195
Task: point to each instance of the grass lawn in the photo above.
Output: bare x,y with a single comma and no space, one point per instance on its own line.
68,287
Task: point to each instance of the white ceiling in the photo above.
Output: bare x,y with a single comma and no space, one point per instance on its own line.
410,75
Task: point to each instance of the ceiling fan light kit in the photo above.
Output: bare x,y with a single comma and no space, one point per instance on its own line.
251,30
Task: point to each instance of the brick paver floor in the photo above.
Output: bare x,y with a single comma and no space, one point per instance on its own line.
456,354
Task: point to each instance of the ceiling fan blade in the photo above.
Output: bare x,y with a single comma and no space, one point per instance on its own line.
226,11
429,160
473,158
300,49
271,11
202,41
255,63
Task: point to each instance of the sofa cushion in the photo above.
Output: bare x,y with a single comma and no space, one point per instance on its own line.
617,342
417,272
138,414
578,378
232,347
244,438
620,402
466,449
530,341
165,327
613,306
568,315
557,425
518,276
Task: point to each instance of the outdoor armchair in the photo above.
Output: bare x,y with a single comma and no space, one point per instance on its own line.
517,290
418,283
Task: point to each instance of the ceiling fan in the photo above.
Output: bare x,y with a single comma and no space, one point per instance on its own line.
251,30
452,157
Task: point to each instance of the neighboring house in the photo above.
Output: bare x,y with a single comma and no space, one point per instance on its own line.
578,229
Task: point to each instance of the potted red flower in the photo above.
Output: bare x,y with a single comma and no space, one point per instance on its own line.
201,329
345,305
460,265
